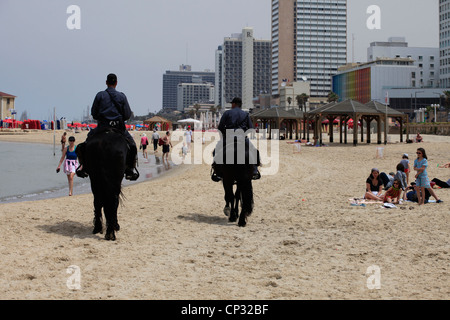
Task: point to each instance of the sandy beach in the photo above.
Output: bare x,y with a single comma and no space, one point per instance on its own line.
304,240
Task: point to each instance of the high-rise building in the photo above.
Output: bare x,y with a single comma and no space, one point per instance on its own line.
444,43
309,39
194,93
171,80
245,66
218,90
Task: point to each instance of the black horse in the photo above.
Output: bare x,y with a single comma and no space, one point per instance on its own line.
239,174
105,161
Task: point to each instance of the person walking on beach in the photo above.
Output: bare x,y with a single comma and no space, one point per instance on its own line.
63,141
155,138
422,181
69,157
111,110
188,135
144,144
166,148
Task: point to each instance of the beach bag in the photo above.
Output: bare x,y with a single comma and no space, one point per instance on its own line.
161,142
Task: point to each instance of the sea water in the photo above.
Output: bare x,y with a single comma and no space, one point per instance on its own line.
28,173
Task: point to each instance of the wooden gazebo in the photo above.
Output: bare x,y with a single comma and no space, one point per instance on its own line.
165,124
274,117
396,115
345,111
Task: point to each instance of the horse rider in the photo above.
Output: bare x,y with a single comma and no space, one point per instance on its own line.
235,119
111,110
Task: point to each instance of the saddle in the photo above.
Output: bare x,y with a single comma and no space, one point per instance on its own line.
250,151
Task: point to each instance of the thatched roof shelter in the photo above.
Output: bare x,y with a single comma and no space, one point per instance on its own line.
165,124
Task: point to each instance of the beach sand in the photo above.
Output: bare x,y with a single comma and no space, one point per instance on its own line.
304,240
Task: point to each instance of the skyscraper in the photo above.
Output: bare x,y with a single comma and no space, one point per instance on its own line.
444,43
309,39
245,66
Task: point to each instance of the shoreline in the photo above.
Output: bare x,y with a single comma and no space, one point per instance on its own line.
304,240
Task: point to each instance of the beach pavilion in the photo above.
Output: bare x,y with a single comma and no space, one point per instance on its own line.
153,122
274,117
356,112
395,115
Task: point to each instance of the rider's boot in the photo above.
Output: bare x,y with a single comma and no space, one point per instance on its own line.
256,175
131,172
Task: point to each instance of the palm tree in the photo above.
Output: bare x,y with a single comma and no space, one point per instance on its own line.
447,99
301,101
191,113
196,107
332,97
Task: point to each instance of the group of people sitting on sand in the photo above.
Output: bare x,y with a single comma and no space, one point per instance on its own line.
396,185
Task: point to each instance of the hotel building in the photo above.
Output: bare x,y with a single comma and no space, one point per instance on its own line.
245,66
309,39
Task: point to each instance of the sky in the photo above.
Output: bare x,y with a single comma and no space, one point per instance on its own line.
50,66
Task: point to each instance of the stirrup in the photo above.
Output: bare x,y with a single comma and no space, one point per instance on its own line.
132,176
81,173
256,176
214,176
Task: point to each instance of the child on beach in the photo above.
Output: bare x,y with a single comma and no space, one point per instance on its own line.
184,150
422,181
405,163
394,193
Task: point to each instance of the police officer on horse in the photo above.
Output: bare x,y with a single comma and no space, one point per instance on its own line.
111,110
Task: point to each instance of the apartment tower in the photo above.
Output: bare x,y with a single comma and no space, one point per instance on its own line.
245,68
309,39
444,43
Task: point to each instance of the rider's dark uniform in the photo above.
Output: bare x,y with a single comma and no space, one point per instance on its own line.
111,110
234,119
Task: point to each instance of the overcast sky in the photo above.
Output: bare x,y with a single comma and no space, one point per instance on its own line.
46,65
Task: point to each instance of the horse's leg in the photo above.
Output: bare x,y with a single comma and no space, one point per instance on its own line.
111,218
98,221
229,197
245,185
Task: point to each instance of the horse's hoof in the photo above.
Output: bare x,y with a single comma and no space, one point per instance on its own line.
98,226
117,227
227,211
242,222
232,219
98,230
110,236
